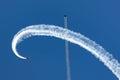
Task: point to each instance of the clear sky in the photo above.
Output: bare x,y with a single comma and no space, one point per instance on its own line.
97,19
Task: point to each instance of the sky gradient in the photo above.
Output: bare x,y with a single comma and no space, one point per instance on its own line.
98,20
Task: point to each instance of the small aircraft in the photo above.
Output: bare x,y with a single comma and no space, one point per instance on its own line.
27,58
65,21
65,15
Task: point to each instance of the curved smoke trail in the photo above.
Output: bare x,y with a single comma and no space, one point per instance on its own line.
73,37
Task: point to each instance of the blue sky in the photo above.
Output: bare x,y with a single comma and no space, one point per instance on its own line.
97,19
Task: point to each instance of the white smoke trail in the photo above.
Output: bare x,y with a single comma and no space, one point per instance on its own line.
67,53
67,61
73,37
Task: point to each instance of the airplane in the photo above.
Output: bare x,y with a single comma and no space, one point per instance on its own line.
65,21
65,15
27,58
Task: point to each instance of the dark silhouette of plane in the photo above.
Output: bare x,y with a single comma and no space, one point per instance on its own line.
27,58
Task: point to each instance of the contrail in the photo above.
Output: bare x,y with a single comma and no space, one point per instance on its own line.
73,37
67,52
